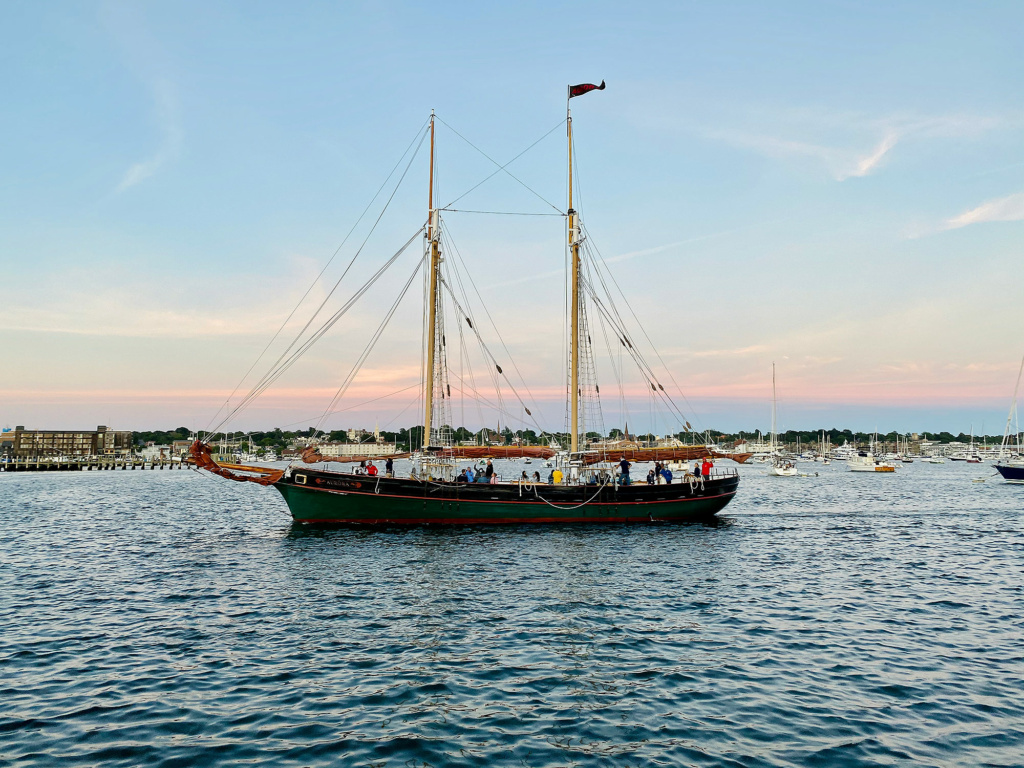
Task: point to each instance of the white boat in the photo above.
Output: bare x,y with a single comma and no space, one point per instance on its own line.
933,460
781,466
865,461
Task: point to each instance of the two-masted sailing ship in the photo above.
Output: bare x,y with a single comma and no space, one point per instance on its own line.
593,485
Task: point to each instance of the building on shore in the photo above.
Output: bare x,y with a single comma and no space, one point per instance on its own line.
341,450
45,443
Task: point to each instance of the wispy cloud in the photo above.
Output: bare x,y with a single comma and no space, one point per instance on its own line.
846,144
1009,208
167,118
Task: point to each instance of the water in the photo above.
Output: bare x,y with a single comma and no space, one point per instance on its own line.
169,619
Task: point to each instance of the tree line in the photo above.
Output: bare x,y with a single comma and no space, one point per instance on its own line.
412,437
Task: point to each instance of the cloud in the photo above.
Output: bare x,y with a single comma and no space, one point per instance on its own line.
751,350
169,124
1009,208
847,144
867,164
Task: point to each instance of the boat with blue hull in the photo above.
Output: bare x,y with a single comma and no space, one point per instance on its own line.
1011,461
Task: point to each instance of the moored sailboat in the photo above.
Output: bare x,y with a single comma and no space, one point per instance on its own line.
595,483
1011,461
781,466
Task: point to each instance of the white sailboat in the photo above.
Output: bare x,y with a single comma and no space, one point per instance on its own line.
780,467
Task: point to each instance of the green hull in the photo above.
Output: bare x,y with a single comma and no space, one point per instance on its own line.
360,500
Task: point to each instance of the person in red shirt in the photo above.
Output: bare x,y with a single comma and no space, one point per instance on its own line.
371,470
706,467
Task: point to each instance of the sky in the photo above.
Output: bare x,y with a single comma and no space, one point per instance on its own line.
835,187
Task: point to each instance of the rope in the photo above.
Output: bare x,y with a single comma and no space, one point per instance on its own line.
352,261
330,261
275,373
502,167
500,213
565,509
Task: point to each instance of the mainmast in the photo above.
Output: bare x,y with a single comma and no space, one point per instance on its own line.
574,343
434,235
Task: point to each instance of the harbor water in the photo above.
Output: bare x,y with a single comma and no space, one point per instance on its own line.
173,619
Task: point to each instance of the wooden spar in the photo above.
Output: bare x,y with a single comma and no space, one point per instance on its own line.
574,338
433,234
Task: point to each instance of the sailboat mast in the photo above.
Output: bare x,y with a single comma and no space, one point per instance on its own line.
1013,409
433,233
574,338
774,438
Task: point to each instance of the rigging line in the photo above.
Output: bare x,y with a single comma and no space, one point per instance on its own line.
486,351
506,165
501,167
270,379
642,364
352,261
322,271
397,416
341,410
500,213
317,335
649,375
476,395
603,263
472,282
368,349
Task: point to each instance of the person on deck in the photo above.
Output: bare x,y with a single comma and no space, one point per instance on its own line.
706,467
651,477
624,466
389,467
666,474
462,477
470,474
657,471
524,478
557,476
489,472
536,477
551,477
371,470
696,469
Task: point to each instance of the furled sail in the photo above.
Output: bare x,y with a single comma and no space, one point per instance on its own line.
498,452
682,453
312,455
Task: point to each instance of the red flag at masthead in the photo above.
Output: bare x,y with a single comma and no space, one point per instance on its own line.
579,90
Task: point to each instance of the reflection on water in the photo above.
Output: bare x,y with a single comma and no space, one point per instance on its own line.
165,619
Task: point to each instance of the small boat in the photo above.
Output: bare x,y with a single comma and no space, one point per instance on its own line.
933,460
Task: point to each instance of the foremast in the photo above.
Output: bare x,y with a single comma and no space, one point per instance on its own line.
574,337
434,236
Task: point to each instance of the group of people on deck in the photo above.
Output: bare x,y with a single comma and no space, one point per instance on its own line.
483,474
661,472
368,468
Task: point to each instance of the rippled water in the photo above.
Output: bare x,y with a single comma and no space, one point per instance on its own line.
166,619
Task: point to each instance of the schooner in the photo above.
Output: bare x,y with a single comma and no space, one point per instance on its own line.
595,485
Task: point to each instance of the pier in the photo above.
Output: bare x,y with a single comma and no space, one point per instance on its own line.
88,464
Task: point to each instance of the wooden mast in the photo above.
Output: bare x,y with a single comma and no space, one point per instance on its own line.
574,338
433,233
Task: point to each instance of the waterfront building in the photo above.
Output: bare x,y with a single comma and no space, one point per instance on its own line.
337,450
45,443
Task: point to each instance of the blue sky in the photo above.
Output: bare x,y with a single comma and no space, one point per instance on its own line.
838,187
